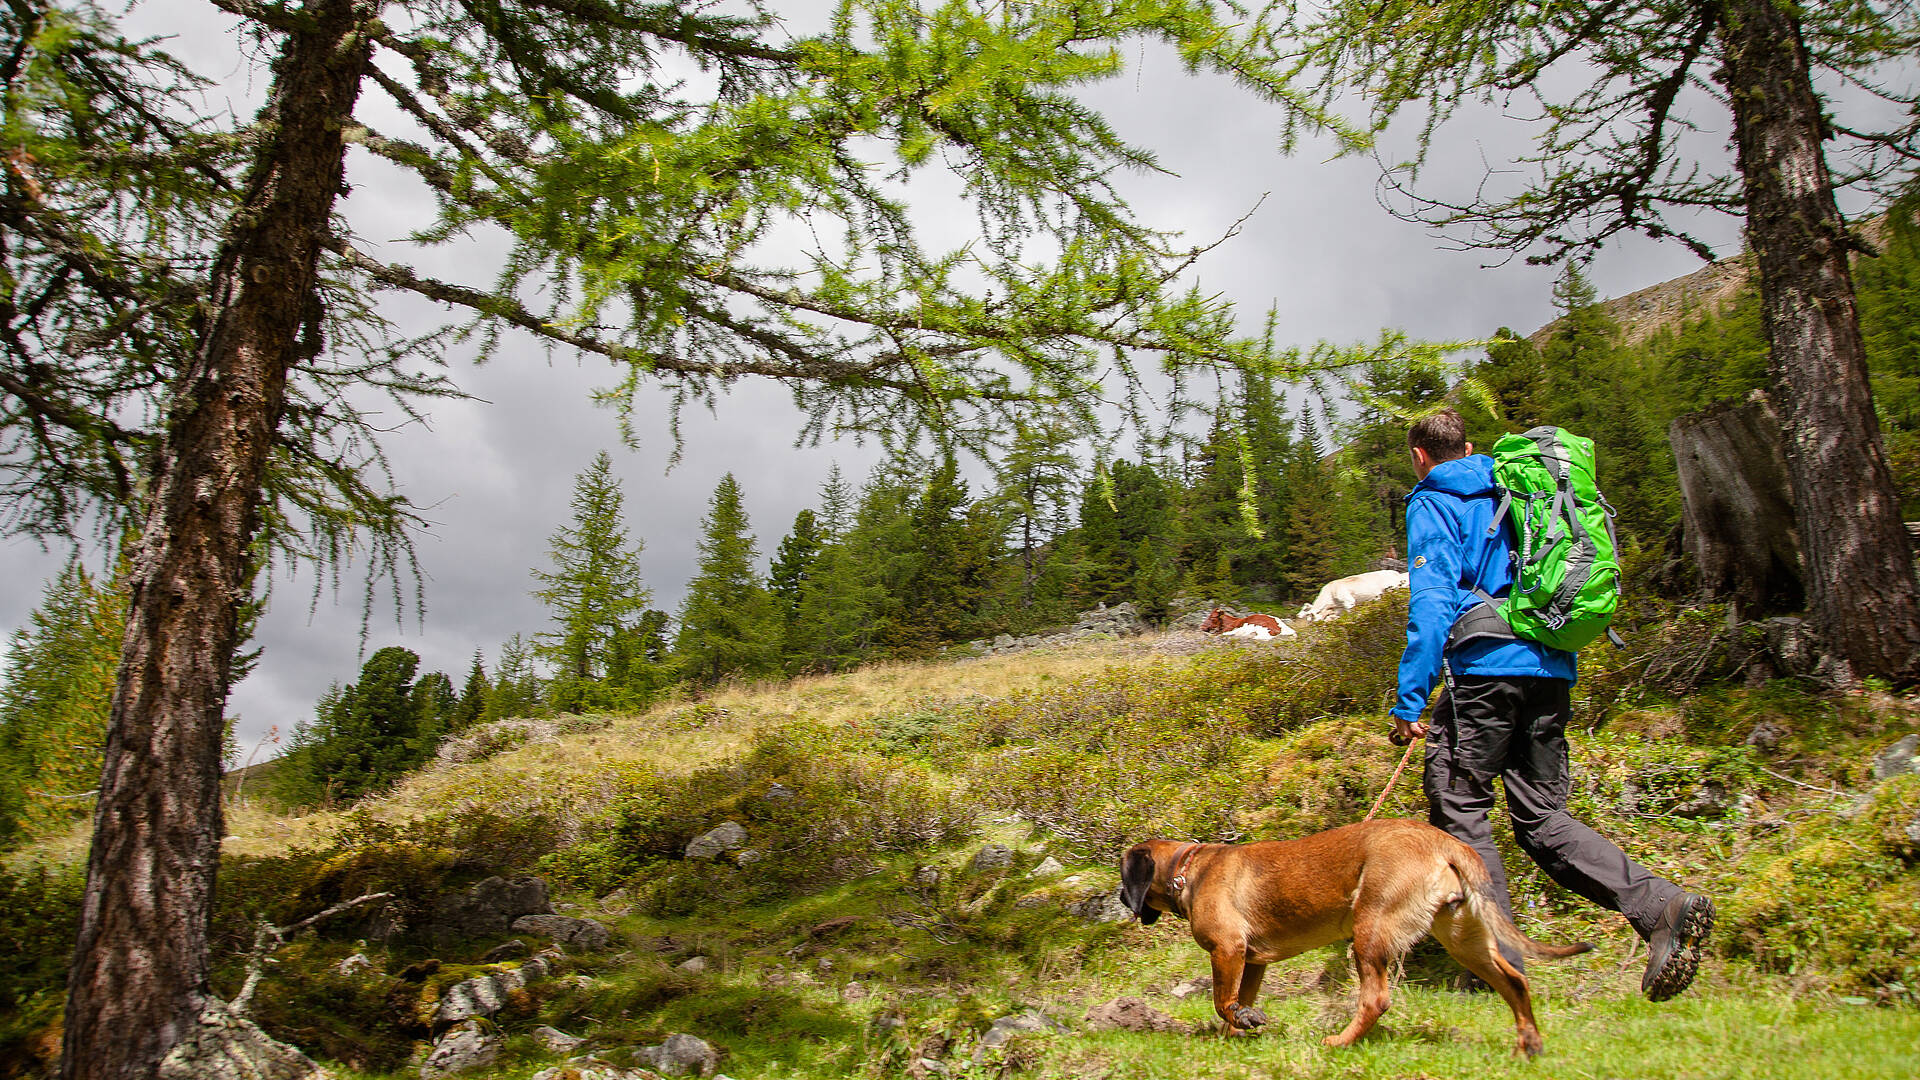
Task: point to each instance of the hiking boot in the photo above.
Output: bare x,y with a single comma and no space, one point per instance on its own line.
1673,949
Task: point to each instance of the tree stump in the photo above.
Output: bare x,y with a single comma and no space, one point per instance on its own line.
1737,507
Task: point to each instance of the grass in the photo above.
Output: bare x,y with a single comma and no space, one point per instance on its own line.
1219,741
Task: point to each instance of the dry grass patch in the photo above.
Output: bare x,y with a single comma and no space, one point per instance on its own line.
573,778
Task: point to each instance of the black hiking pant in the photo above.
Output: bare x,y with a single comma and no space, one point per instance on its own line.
1514,728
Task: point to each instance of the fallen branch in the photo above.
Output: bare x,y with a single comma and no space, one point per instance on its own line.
270,937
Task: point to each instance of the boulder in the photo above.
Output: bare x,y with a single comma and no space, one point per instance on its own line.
224,1045
567,930
355,965
725,837
555,1041
991,857
693,965
778,793
464,1049
1047,868
486,995
1101,907
510,950
1901,758
680,1055
487,909
1133,1014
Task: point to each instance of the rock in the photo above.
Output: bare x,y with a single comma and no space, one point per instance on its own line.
1193,988
567,930
991,857
593,1068
224,1045
926,876
1047,868
823,965
487,909
778,793
511,950
555,1041
1766,735
680,1055
922,1068
1005,1028
693,965
355,964
1901,758
1132,1014
488,994
1709,801
1101,907
748,857
464,1049
722,838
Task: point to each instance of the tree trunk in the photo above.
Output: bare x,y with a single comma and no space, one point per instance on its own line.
138,984
1859,575
1737,513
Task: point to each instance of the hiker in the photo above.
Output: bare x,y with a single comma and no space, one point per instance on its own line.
1505,711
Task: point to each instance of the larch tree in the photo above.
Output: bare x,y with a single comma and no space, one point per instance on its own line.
188,322
1616,92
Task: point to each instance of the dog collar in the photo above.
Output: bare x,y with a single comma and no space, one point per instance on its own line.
1180,861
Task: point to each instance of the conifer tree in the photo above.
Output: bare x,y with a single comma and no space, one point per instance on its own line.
1216,529
55,698
1620,90
593,590
793,565
471,708
943,580
729,625
369,733
839,603
518,691
1035,487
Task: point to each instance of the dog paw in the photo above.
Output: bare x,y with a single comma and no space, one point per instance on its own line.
1246,1016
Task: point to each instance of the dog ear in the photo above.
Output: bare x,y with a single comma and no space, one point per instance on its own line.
1136,876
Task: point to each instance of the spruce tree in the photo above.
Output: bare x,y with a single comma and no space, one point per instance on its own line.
593,590
793,566
729,626
471,708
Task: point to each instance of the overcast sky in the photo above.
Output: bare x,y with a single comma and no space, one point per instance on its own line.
497,472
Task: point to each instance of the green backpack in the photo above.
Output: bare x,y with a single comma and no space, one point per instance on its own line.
1566,577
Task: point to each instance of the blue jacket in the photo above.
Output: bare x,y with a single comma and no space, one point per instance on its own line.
1449,551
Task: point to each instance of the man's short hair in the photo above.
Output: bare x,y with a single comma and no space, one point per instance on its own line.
1443,435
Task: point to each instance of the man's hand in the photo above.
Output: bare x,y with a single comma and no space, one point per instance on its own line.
1404,733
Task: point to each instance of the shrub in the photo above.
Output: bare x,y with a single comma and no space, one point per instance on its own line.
843,808
39,916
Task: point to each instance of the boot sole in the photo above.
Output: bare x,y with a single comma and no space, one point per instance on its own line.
1677,973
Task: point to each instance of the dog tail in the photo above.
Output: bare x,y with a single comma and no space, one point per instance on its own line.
1478,889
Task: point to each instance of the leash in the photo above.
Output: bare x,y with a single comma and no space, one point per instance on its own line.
1381,801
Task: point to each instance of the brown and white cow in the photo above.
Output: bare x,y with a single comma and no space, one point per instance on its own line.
1256,626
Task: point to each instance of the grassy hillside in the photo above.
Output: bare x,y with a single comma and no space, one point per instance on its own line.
860,943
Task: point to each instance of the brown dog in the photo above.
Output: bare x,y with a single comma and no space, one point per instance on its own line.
1381,883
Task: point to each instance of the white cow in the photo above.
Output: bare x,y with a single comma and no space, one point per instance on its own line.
1347,593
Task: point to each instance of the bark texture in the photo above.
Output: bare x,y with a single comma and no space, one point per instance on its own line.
1737,509
138,984
1861,595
